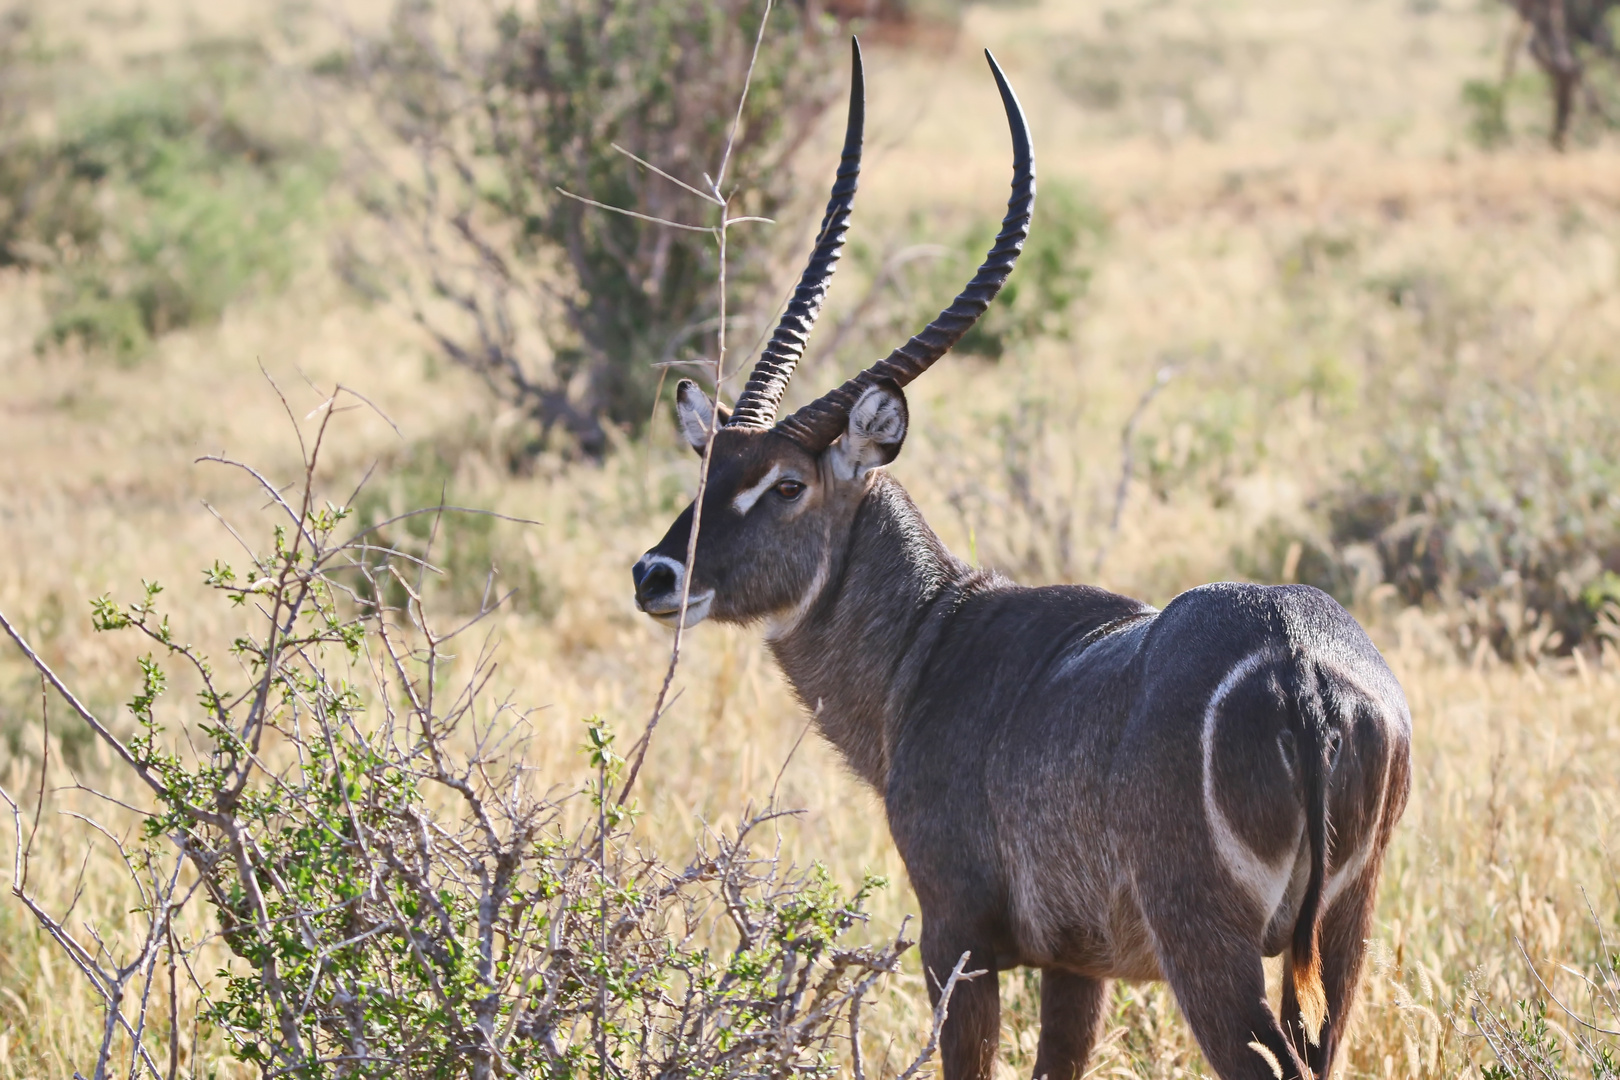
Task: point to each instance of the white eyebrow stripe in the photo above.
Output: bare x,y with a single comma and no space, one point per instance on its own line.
746,499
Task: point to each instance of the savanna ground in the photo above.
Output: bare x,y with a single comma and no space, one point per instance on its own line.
1300,222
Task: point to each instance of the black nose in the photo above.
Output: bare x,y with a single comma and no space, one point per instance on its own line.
652,579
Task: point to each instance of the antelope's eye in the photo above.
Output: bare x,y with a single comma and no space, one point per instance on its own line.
790,489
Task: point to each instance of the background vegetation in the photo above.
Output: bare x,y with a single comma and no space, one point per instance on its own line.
1377,337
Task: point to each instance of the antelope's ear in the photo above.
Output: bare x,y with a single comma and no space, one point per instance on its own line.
694,412
877,428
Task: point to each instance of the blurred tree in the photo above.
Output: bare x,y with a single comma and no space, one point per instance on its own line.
564,309
1560,32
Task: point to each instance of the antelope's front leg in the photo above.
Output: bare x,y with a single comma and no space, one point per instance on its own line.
967,1042
1071,1012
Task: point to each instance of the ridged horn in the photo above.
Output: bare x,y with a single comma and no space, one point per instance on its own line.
817,424
757,404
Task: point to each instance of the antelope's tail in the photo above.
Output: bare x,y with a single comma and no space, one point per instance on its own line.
1306,952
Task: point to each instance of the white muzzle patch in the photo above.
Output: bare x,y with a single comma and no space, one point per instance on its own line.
665,605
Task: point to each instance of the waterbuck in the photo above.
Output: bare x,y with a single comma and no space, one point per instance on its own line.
1075,780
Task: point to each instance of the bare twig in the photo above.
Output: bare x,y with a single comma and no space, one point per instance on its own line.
705,196
941,1011
639,753
636,214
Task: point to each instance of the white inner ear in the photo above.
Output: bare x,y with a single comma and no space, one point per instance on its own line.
695,413
877,425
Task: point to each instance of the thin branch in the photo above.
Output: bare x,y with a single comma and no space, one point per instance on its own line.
275,494
634,214
742,100
705,196
941,1012
79,707
659,707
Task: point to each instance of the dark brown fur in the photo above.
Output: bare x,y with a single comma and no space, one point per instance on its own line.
1040,755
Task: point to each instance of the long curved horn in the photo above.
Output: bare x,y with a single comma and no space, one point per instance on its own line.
817,424
757,404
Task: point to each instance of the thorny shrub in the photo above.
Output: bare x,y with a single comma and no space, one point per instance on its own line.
1576,1037
397,894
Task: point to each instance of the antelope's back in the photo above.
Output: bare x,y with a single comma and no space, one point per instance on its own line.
1254,654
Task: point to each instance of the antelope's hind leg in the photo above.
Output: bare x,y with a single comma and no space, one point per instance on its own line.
1071,1014
1214,967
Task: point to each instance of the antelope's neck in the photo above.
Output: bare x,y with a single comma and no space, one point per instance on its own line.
856,648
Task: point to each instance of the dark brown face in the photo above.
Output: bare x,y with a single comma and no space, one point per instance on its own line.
772,513
761,538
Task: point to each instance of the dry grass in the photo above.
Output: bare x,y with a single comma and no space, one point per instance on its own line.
1336,119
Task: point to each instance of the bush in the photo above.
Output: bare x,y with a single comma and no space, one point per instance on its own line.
200,199
395,897
158,200
563,308
1504,509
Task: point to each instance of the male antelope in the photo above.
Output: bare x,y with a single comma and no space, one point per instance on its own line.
1075,780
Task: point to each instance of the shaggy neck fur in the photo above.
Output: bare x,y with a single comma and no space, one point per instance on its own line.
855,653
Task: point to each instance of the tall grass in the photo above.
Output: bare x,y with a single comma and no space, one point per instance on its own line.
1507,838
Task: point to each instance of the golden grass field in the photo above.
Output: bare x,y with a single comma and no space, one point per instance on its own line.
1326,118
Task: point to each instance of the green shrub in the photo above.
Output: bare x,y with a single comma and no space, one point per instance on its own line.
1503,509
166,190
202,199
